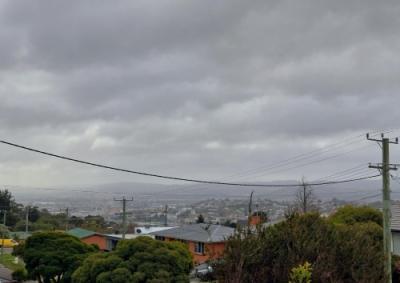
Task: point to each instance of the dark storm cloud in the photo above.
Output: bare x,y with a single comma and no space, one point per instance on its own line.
199,88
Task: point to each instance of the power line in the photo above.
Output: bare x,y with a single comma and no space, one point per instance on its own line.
177,178
353,172
299,157
267,167
344,172
360,173
280,165
366,197
69,189
312,161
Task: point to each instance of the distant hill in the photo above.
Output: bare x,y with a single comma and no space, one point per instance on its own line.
348,191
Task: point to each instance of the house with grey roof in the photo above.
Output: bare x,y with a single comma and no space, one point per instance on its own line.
205,241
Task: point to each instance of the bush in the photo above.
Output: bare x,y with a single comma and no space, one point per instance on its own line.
139,260
301,274
20,275
339,252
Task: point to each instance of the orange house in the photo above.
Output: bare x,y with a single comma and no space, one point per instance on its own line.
205,241
104,242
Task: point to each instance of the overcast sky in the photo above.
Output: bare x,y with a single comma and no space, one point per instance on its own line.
201,89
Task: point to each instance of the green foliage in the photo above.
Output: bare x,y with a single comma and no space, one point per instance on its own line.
338,253
360,252
301,274
4,232
142,260
14,210
352,214
53,256
20,275
8,261
42,220
19,250
241,259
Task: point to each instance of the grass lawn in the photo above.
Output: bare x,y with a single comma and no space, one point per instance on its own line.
8,261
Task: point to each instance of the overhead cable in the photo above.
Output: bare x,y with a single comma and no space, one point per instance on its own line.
177,178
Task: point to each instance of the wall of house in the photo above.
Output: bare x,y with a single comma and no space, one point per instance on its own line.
396,242
98,240
254,220
212,250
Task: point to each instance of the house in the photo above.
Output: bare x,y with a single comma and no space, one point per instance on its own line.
141,231
205,241
395,228
146,230
104,242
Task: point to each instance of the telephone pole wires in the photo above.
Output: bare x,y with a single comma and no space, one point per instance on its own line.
123,200
385,168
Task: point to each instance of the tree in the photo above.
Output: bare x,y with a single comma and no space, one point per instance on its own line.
34,214
337,252
14,210
94,223
200,219
53,257
20,275
305,199
4,232
352,214
242,259
6,200
139,260
360,252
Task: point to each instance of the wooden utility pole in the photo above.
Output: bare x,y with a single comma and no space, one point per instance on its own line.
166,215
304,197
66,219
123,200
385,168
27,220
250,210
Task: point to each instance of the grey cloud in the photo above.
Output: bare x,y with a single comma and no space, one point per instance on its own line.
68,35
195,88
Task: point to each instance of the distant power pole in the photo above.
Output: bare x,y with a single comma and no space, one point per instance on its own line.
304,197
27,220
250,209
166,215
385,168
67,218
4,217
123,200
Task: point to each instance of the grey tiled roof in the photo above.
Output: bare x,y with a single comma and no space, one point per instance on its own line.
207,233
395,223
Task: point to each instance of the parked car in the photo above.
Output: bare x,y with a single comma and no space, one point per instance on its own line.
202,271
8,243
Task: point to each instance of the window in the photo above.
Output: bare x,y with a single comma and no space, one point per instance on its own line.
199,248
160,238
